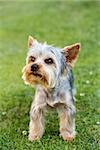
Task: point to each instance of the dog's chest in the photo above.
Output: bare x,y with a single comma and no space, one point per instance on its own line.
56,98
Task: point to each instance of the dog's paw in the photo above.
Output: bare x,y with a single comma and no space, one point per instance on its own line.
33,137
67,136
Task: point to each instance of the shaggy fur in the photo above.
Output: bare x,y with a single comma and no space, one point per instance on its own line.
49,69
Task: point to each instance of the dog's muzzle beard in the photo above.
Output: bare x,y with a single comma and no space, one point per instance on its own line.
47,76
33,75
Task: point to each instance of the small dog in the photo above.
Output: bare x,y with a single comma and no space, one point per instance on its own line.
49,69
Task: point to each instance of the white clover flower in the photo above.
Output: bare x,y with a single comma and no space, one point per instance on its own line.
98,123
4,113
90,73
24,132
82,94
87,82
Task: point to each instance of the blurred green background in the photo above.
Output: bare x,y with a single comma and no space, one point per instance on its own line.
61,23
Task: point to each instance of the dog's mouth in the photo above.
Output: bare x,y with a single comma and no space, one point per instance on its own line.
37,74
40,78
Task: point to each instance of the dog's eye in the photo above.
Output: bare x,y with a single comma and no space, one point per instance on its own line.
32,58
49,61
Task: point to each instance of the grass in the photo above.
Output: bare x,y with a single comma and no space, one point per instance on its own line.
60,23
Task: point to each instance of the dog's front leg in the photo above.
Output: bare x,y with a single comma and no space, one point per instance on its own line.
67,119
36,126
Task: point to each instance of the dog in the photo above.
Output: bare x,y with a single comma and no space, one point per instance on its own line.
49,70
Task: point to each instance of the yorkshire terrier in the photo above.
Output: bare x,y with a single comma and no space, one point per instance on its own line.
49,69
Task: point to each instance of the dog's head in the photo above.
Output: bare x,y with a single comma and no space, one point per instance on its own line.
45,63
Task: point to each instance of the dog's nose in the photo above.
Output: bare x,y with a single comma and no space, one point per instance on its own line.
34,67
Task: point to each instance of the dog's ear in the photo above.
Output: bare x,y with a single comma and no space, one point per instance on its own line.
71,53
31,41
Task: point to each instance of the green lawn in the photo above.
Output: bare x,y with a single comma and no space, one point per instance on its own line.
60,23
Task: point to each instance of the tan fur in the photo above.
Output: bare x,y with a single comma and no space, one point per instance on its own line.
36,127
33,80
67,125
